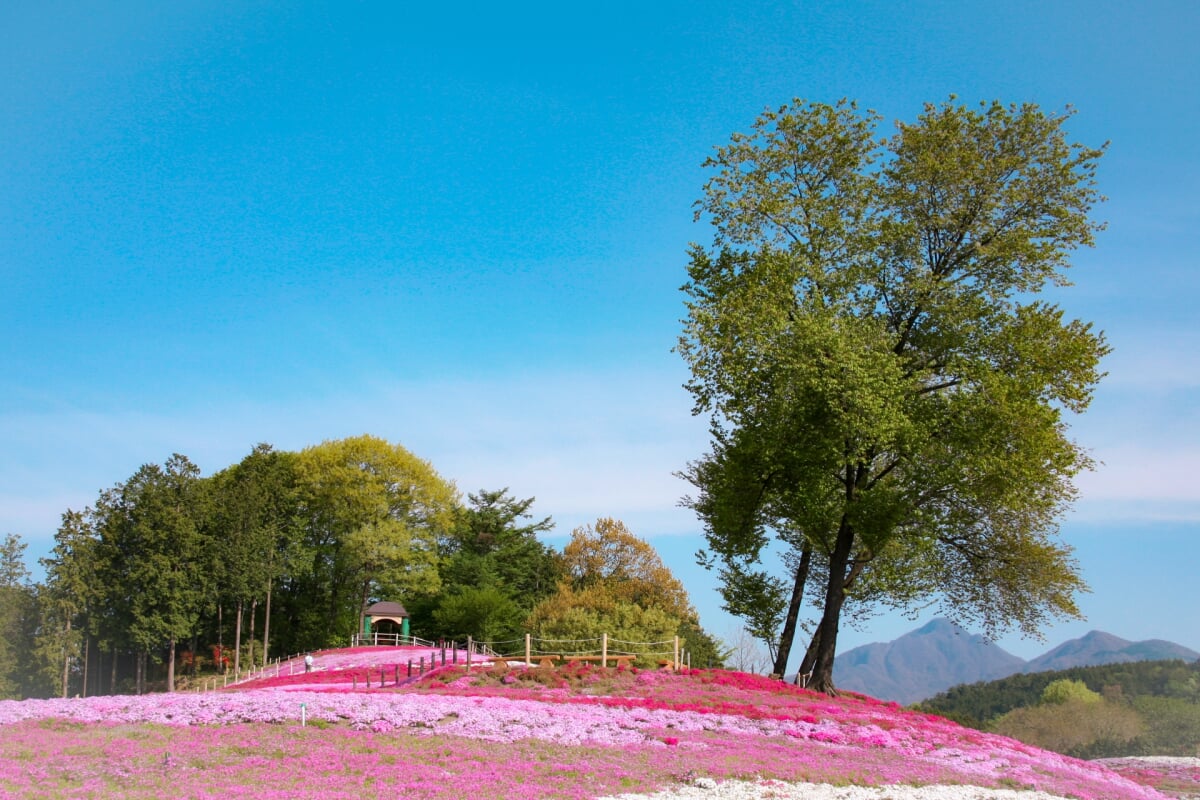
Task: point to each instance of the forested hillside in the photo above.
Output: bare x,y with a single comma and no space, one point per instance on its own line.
1140,708
170,571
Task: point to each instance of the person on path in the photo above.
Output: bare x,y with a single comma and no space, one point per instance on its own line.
308,663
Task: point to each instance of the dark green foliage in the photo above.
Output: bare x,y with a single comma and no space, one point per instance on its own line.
485,613
18,620
494,570
151,553
72,600
703,649
494,542
1172,726
257,534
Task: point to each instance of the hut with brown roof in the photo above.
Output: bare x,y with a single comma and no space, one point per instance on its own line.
385,622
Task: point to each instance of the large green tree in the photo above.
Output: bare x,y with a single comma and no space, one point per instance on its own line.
257,537
887,390
150,559
72,592
374,514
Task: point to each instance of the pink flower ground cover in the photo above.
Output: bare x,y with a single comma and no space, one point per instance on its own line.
352,667
577,732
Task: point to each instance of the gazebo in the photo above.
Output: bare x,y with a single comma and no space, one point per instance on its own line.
385,618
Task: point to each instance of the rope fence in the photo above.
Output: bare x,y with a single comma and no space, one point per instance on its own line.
548,651
531,650
666,652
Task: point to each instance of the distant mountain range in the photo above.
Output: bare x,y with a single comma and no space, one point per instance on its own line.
939,655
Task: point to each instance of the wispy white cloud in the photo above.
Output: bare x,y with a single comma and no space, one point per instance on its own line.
1153,360
1143,430
1143,473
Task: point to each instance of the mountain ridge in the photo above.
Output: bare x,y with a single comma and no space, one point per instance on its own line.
940,654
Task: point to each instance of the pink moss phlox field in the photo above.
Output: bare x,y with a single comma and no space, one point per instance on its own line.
712,723
274,762
351,667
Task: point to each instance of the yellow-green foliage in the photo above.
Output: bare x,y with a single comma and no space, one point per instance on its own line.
1065,689
574,621
1072,725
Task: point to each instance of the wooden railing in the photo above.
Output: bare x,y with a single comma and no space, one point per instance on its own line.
388,640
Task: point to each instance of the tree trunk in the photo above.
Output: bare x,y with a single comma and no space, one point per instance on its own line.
835,597
250,634
171,666
112,681
237,643
793,614
220,637
86,650
66,673
267,624
810,659
195,652
810,655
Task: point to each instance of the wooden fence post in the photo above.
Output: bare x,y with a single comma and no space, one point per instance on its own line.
604,649
527,651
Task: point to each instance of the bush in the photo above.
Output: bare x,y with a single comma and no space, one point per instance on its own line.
574,621
1077,726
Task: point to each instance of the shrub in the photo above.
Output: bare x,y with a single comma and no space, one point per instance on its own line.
1076,726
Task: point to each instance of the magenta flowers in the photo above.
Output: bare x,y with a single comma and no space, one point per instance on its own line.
615,730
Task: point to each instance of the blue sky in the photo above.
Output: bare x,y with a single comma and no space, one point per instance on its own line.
464,230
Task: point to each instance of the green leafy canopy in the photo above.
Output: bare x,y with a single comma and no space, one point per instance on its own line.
886,389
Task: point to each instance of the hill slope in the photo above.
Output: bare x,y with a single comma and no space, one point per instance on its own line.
941,655
576,731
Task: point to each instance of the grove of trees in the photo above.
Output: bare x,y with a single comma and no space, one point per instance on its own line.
886,386
281,552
